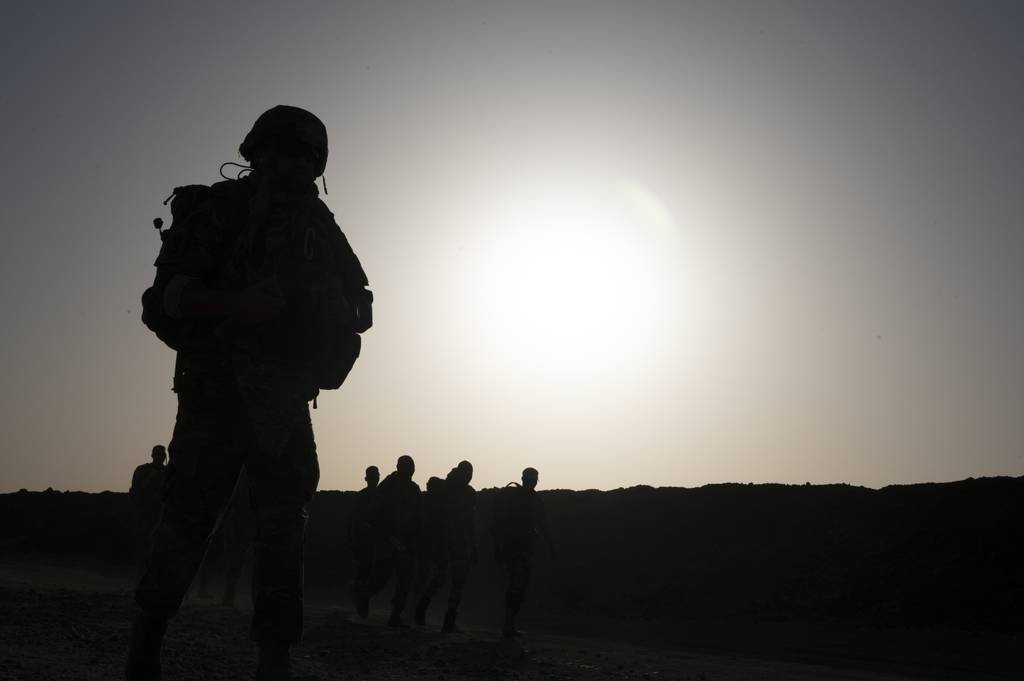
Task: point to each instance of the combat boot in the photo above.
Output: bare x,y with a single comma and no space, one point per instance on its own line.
449,621
274,663
420,615
144,648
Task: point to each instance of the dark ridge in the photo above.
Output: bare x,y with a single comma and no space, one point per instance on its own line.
936,554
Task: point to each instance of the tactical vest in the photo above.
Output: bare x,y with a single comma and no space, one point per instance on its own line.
225,233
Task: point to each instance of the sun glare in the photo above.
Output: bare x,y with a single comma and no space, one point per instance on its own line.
573,280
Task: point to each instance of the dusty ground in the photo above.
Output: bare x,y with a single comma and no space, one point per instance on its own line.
71,622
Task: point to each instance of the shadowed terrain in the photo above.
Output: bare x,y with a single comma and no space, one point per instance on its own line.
918,579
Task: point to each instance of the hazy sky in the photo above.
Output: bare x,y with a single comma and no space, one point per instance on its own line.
626,243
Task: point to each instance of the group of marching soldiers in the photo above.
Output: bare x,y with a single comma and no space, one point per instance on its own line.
425,539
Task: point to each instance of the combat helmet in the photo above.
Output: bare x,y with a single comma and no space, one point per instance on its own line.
287,127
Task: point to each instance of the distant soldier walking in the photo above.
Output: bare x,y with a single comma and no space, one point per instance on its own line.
145,494
396,524
518,519
260,294
458,548
361,540
432,552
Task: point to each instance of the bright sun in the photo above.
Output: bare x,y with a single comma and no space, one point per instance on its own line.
572,281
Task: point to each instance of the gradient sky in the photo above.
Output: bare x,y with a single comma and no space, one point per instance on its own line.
625,243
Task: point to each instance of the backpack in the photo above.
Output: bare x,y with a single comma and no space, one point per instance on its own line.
216,217
188,203
504,508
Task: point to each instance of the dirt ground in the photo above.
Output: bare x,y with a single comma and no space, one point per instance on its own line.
71,622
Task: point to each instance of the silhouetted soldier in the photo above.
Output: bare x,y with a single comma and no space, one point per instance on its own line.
432,551
458,510
261,295
361,541
518,519
396,512
145,494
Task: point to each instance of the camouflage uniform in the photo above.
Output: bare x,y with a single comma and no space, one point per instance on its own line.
243,391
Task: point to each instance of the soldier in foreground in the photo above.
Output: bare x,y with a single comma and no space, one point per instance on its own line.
262,297
518,519
360,540
145,492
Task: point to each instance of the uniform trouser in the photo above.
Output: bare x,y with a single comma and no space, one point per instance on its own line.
388,560
436,572
145,522
236,549
217,433
362,552
519,562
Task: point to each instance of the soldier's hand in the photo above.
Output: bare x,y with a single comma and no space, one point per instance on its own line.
258,303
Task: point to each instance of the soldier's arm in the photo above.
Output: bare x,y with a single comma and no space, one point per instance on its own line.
192,298
358,297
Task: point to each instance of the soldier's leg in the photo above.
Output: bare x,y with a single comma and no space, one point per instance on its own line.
237,549
460,562
281,485
520,564
144,526
382,566
404,564
205,460
363,555
361,584
206,457
433,570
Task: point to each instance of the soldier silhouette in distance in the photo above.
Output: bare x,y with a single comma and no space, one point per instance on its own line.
432,552
361,541
145,493
518,518
396,523
260,294
456,505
